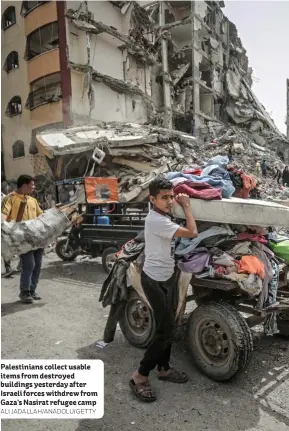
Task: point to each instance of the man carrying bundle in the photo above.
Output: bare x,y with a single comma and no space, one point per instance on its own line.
21,206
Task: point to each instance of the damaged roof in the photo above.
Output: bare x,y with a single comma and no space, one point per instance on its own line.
79,139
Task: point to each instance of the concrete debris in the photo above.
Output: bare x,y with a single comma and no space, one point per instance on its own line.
238,148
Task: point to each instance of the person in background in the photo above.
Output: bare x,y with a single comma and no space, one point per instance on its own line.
264,168
258,168
285,177
21,206
278,174
230,153
158,282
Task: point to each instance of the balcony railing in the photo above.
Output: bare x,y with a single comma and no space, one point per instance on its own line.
28,6
48,94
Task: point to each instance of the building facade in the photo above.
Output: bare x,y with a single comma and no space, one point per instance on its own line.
55,73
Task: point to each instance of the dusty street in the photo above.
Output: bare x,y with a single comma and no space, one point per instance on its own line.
69,322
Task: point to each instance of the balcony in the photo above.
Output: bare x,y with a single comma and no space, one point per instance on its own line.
43,91
28,6
44,101
44,64
41,15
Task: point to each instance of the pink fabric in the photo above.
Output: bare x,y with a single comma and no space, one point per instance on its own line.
177,181
251,237
198,190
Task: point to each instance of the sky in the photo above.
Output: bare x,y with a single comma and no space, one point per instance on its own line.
263,28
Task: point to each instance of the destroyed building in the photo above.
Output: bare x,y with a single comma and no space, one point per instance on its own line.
287,116
165,65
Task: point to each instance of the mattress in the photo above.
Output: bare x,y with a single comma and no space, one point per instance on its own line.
238,211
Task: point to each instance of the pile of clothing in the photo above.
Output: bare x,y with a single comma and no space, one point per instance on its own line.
236,253
214,181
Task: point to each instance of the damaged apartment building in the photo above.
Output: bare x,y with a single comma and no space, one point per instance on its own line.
173,65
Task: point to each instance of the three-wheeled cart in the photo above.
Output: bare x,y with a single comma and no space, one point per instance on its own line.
218,328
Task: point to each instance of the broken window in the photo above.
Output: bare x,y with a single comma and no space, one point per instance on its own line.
169,17
11,62
8,17
28,6
14,107
44,90
18,149
42,40
206,76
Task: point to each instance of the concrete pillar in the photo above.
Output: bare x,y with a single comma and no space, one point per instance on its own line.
195,73
287,118
165,67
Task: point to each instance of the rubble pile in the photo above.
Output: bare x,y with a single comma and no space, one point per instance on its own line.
167,150
136,154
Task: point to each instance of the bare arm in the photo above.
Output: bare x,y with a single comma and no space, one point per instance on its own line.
191,230
3,217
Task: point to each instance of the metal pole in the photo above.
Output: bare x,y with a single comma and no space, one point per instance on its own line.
165,67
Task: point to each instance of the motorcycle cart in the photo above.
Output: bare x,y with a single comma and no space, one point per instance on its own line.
104,225
219,336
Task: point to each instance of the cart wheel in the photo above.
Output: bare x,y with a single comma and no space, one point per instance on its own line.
220,340
137,322
283,324
108,258
67,255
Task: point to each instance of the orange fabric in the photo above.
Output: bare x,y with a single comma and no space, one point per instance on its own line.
251,265
101,190
249,183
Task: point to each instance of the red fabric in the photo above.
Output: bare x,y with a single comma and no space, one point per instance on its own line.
198,190
251,237
249,183
197,172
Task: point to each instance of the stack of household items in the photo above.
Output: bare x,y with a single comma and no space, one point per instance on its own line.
235,240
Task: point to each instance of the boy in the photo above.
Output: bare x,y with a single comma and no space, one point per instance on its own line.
158,283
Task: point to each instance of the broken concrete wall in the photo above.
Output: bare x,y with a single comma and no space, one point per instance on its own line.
218,89
102,61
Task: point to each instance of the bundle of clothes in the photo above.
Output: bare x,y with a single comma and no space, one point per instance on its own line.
215,181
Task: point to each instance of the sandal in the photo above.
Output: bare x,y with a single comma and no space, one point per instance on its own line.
143,391
175,376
